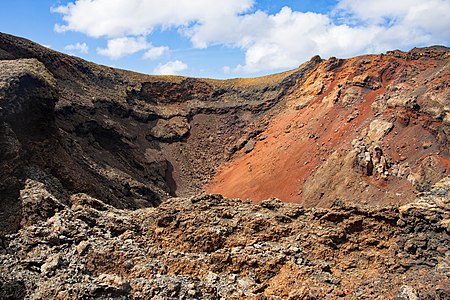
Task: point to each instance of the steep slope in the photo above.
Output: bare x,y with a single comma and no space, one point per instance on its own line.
371,129
27,130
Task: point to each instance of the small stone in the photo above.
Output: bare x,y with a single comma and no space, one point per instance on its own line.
82,247
262,137
211,278
232,278
191,286
129,264
427,145
294,249
51,264
114,281
406,293
173,288
249,146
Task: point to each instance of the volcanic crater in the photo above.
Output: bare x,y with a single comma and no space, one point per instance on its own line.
122,185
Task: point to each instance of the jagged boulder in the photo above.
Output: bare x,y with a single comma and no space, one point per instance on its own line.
171,130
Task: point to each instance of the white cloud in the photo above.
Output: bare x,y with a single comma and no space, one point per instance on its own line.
118,18
78,47
123,46
372,26
270,41
155,52
385,11
170,68
425,21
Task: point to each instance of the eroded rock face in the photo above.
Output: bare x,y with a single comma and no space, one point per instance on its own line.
167,92
33,146
210,247
171,130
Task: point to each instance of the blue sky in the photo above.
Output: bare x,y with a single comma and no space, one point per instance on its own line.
224,38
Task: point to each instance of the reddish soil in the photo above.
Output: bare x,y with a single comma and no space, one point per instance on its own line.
300,141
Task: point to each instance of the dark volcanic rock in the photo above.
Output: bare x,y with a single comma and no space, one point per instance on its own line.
32,140
168,92
171,130
27,98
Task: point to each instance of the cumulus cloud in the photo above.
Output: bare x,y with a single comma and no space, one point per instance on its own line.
407,22
288,38
155,52
123,46
170,68
270,41
77,47
118,18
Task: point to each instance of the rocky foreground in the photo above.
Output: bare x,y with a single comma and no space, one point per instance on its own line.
210,247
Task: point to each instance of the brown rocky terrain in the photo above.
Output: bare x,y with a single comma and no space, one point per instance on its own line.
101,170
210,247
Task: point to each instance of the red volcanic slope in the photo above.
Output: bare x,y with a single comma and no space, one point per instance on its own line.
308,156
